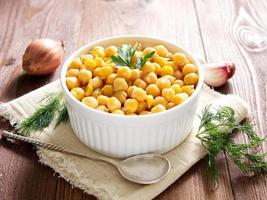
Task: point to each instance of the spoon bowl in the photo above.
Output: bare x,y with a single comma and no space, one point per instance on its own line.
145,168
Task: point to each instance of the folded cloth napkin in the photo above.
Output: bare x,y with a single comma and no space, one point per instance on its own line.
102,179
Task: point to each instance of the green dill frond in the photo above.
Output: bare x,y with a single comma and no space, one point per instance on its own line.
215,135
51,106
63,115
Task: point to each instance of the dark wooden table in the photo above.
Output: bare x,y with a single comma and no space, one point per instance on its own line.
217,30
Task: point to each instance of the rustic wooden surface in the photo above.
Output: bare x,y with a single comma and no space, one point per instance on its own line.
234,30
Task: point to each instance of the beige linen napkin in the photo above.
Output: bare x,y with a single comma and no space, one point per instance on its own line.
101,179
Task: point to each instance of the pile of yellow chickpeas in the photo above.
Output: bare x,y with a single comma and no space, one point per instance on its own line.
164,81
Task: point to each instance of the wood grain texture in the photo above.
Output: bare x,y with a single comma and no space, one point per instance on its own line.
209,28
240,35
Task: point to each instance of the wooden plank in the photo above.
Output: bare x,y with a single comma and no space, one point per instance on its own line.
236,31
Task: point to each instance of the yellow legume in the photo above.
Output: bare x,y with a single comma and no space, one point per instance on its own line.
160,100
166,70
120,84
168,93
158,108
85,76
90,101
121,96
72,82
78,93
163,82
96,82
118,112
139,94
149,101
131,105
153,90
140,83
189,68
151,77
191,79
73,72
102,108
102,100
113,104
107,90
124,72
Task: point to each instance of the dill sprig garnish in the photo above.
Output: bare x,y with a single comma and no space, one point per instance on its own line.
214,134
125,56
52,107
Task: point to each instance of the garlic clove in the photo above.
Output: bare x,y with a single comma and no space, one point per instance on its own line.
217,74
43,56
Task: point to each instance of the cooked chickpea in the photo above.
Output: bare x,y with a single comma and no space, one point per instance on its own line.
85,76
99,62
76,63
148,67
102,100
121,96
158,108
191,79
188,89
131,114
151,77
90,64
171,78
131,105
145,112
90,101
86,57
140,83
180,82
135,74
139,94
72,82
178,74
160,60
89,90
118,112
105,71
96,71
168,93
120,84
98,52
166,70
78,93
161,50
179,59
170,105
141,107
113,104
96,82
130,90
73,72
180,98
124,72
148,50
177,88
149,101
160,100
107,90
163,82
153,90
189,68
111,51
97,92
157,68
102,108
110,79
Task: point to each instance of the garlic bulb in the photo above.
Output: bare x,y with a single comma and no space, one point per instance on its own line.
217,74
43,56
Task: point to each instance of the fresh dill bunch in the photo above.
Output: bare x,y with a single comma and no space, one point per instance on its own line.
125,56
214,134
52,107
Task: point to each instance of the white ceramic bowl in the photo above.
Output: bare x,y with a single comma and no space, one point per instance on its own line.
124,136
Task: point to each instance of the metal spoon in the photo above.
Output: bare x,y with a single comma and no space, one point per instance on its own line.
142,169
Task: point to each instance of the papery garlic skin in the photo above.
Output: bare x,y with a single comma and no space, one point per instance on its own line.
43,56
217,74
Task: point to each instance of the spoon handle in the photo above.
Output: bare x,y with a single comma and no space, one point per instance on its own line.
54,147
